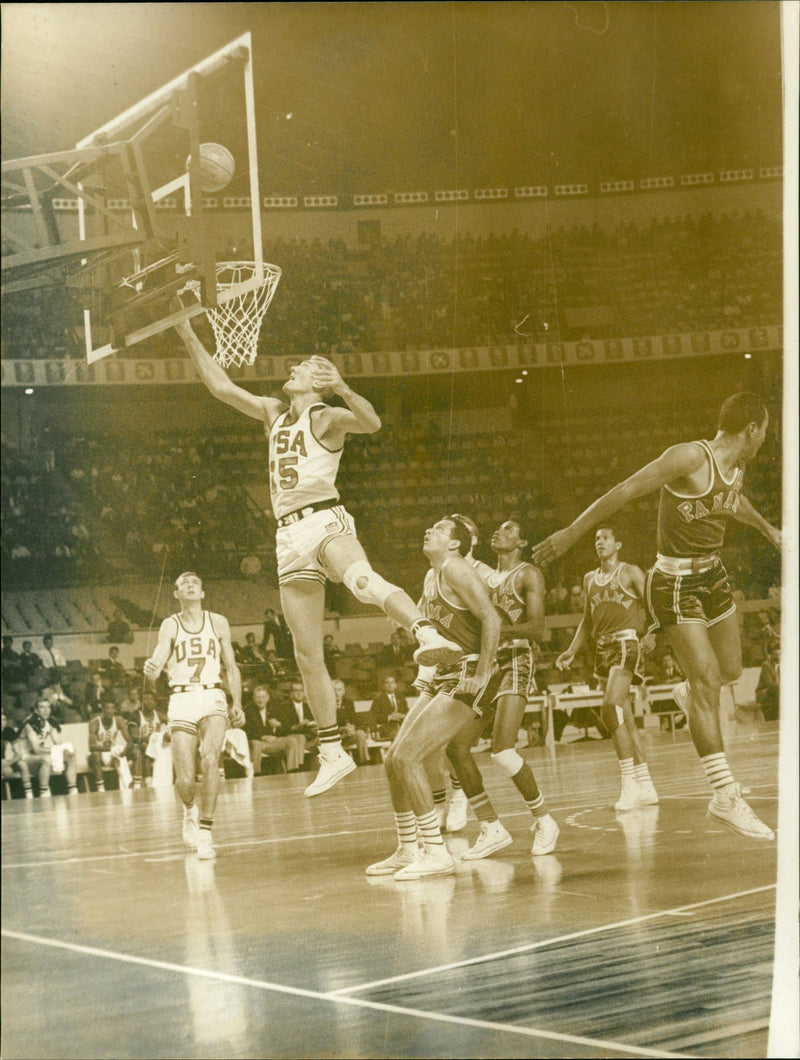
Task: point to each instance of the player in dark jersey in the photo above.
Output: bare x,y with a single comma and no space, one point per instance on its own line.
516,589
687,591
612,616
455,599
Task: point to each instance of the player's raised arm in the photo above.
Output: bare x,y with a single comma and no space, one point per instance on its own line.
746,513
675,463
216,380
334,423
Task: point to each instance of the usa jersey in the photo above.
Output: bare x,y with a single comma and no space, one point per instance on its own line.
612,606
454,620
195,658
301,469
695,526
505,598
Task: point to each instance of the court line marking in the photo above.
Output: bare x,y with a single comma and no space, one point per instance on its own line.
529,947
335,998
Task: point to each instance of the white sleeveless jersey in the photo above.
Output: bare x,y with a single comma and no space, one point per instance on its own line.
195,658
301,470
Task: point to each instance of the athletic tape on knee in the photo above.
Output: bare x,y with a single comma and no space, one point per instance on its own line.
509,761
366,584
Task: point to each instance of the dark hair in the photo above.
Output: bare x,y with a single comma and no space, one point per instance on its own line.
471,525
611,529
461,533
739,410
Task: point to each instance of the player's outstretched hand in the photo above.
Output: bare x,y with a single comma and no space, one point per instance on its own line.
564,661
236,717
325,375
552,547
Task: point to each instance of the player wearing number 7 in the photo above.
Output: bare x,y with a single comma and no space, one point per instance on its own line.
316,536
194,645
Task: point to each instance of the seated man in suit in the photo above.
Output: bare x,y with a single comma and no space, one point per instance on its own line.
261,727
351,725
388,709
294,716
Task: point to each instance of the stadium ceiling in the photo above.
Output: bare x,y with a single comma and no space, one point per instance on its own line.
359,97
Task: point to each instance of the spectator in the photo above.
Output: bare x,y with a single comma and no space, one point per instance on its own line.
29,662
10,662
273,667
275,628
294,716
668,671
94,695
53,661
119,632
388,709
46,751
331,653
251,654
768,689
397,653
15,759
771,632
352,728
61,712
114,672
261,728
109,744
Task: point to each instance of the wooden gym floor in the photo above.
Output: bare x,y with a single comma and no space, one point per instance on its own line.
645,934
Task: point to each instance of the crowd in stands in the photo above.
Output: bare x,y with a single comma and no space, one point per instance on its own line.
122,501
419,292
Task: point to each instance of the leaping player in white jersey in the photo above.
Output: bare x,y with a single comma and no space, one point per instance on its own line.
316,537
194,645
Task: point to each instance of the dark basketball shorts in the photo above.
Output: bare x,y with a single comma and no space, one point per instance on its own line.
517,672
618,652
450,681
675,599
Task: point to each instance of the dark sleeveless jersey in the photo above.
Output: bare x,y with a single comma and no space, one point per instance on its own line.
695,526
612,607
453,620
505,598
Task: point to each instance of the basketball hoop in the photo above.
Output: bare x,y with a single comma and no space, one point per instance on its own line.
237,321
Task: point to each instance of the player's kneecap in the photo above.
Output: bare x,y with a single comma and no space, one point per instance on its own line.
366,584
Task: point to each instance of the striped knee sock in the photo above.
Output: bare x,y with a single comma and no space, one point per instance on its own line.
482,807
429,830
717,771
330,736
205,825
455,783
626,769
406,825
642,773
440,797
537,806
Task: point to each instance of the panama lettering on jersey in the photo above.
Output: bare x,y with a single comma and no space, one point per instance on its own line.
301,470
504,596
458,622
195,657
611,606
695,526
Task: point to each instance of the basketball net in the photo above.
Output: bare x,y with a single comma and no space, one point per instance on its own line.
237,322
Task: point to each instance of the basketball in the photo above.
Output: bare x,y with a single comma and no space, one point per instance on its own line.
217,167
